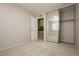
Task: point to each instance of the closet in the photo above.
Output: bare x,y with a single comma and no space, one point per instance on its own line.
60,25
67,18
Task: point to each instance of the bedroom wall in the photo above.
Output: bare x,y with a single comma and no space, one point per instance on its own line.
14,26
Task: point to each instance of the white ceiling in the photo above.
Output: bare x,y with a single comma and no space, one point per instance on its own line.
40,7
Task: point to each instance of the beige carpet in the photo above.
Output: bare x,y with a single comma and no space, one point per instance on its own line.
40,48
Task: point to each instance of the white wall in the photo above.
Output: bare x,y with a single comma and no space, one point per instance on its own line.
14,25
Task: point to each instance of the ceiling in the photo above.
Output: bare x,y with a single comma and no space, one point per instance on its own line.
40,7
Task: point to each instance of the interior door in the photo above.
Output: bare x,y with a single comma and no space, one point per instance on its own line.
53,26
33,28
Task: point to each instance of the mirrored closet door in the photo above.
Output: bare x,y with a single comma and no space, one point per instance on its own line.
67,18
53,26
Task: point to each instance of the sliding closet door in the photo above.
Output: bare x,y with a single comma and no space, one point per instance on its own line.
53,26
67,24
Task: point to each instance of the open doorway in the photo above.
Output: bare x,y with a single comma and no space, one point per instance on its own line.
41,29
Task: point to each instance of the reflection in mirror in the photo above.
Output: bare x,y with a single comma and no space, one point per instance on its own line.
53,26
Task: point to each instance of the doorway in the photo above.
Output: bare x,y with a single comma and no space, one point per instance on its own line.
41,29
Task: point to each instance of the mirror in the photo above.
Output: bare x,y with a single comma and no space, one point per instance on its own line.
53,26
